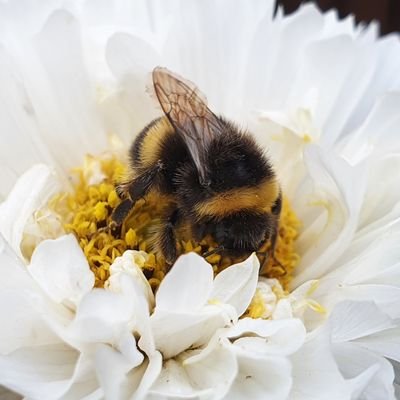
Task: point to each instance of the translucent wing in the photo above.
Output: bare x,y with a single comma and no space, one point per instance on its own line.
186,108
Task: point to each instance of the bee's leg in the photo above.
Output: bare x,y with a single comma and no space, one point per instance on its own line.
265,258
120,213
131,192
122,189
270,252
141,185
276,210
166,238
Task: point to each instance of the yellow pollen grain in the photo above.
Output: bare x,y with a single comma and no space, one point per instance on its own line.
257,307
86,212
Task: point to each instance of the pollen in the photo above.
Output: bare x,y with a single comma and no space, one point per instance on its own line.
282,265
86,211
258,307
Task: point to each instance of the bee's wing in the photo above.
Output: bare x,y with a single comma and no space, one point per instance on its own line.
186,108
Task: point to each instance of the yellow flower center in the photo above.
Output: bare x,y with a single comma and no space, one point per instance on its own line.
85,211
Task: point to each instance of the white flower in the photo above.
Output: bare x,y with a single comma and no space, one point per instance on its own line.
322,95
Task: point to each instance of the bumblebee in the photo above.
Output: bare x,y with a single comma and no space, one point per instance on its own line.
209,173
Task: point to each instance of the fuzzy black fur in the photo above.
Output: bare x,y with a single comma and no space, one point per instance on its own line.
233,160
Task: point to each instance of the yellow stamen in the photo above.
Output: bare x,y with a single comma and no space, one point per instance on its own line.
257,308
315,306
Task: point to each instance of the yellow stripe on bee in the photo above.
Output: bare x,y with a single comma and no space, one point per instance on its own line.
152,143
258,198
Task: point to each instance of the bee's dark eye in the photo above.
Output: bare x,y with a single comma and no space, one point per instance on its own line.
277,207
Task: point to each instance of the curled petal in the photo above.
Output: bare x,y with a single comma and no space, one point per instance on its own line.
187,286
207,374
280,337
130,264
32,191
22,322
61,269
369,375
174,333
236,285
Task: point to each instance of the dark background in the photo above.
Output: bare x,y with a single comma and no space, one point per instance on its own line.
387,12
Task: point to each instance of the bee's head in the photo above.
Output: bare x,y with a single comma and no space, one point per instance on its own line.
244,232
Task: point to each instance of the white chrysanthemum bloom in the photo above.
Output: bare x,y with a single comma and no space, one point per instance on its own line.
323,97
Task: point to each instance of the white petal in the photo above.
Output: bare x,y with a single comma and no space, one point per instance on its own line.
22,322
377,263
210,372
174,384
65,113
351,320
32,191
282,337
386,297
113,318
150,375
130,59
261,377
61,269
112,371
385,343
101,316
236,285
19,129
377,130
315,372
84,383
42,372
215,367
187,286
368,272
174,333
379,203
283,310
339,188
353,360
